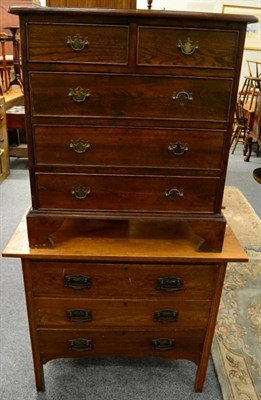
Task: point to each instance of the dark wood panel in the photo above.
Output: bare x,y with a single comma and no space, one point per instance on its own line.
186,47
128,147
78,43
141,193
131,96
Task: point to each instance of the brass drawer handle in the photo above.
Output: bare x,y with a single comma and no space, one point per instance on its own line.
170,284
178,149
182,97
77,281
80,344
80,192
173,194
77,42
80,145
188,47
79,315
166,316
79,94
163,344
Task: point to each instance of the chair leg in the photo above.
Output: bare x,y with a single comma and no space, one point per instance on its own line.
236,138
248,148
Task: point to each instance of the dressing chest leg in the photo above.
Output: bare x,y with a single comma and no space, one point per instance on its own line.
38,366
202,367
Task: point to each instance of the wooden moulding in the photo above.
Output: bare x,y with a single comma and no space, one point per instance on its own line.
48,230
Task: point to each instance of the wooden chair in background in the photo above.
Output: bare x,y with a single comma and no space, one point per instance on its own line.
240,125
246,124
6,62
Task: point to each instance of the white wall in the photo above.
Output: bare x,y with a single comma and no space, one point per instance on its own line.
178,5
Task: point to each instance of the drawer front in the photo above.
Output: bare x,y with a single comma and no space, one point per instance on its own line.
114,146
78,43
126,193
185,344
187,47
91,314
103,280
124,96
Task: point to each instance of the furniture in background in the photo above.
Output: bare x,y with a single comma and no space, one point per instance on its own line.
240,125
257,174
15,118
6,63
124,290
249,100
4,153
246,109
7,19
254,131
17,79
134,126
10,62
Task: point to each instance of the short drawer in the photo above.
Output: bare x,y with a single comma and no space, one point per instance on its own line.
77,43
108,280
125,96
126,193
91,314
115,146
192,47
185,344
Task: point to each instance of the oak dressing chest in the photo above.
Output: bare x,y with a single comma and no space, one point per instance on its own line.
125,291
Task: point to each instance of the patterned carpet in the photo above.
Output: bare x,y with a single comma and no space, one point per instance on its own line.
236,348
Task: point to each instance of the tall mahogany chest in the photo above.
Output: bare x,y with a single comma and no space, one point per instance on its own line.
129,116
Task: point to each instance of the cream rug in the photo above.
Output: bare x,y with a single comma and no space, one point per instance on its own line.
236,348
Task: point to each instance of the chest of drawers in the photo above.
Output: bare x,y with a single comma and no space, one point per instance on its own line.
120,294
129,116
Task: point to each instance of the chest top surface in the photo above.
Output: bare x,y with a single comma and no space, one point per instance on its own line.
124,241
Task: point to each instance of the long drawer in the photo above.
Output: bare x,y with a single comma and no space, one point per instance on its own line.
103,280
185,344
187,47
93,313
130,96
77,43
116,146
126,193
